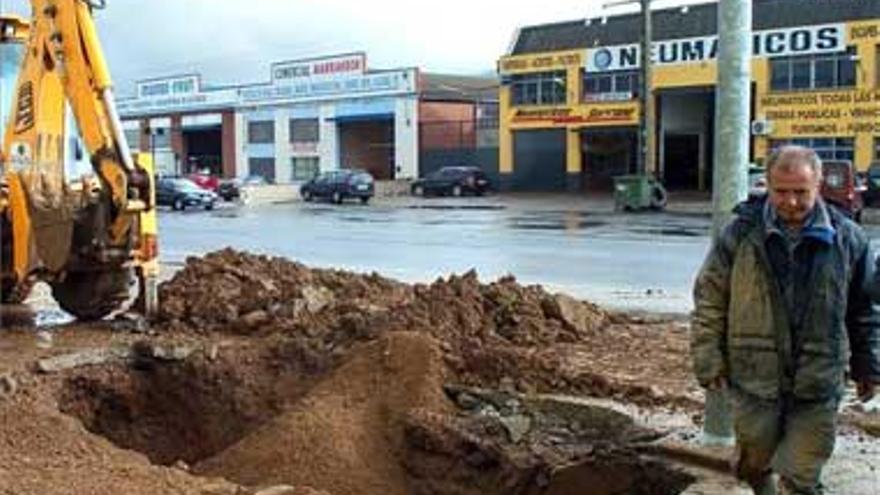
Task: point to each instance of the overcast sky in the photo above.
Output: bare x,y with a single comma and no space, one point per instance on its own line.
235,41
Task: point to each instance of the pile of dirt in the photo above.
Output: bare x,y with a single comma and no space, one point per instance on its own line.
500,334
346,436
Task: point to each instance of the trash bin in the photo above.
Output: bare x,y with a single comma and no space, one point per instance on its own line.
638,192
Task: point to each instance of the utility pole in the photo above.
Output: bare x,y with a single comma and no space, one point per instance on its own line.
733,104
646,97
645,156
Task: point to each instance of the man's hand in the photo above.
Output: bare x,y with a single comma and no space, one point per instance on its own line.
719,383
865,390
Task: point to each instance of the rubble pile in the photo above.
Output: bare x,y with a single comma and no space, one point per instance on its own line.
500,334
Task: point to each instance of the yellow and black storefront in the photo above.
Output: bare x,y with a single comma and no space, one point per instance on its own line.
569,117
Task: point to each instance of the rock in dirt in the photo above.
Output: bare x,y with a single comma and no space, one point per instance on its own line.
8,386
83,358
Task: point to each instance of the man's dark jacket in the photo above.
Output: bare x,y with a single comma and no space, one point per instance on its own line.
796,338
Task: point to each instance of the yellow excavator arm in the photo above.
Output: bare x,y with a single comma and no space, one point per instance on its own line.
88,238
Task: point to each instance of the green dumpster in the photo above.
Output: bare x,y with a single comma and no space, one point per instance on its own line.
638,192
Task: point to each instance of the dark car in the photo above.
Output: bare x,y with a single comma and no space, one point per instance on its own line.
872,184
180,193
839,187
453,181
339,185
230,189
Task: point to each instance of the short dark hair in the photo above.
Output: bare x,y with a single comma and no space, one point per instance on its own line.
790,156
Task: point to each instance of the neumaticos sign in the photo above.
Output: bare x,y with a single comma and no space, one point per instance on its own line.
804,40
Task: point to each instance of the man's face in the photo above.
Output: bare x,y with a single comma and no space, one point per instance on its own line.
793,191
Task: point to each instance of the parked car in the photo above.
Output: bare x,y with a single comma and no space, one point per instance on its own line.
231,189
757,181
339,185
839,187
454,181
871,193
205,180
180,193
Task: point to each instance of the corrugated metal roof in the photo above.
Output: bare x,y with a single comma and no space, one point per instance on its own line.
449,87
699,20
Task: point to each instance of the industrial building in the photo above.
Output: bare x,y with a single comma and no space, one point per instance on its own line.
314,114
569,106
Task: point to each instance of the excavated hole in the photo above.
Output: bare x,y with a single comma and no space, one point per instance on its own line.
192,410
183,411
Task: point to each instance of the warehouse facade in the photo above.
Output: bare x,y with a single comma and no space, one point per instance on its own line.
569,106
314,114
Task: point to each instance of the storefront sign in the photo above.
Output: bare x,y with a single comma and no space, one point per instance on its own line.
600,97
832,113
380,83
593,115
184,85
177,103
804,40
541,62
320,68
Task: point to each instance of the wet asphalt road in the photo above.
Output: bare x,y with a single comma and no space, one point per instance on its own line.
627,261
632,261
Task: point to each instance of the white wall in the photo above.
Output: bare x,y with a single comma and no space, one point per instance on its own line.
406,138
328,147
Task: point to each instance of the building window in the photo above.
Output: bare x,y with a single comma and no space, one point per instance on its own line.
836,70
618,85
133,138
305,167
541,88
877,148
304,131
264,167
261,132
827,148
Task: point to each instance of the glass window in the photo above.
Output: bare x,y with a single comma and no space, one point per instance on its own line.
304,130
541,88
825,73
263,167
801,74
133,137
826,148
780,69
836,70
846,68
261,132
305,167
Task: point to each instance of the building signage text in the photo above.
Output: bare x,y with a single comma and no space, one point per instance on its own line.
168,87
804,40
322,68
542,62
823,114
595,114
373,83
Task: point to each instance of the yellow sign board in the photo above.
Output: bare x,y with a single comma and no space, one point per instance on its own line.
832,113
602,114
542,61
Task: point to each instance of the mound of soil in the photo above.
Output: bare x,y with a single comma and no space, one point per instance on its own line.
347,434
500,334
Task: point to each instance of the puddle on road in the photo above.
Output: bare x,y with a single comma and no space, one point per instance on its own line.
667,231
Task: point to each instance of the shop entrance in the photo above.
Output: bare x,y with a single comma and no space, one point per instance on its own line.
686,130
368,144
607,153
203,150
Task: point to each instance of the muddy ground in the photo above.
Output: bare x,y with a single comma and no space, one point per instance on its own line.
265,376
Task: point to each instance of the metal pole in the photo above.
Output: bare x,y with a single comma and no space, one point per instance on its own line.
733,103
646,115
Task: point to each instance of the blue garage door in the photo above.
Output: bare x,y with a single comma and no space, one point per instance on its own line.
539,160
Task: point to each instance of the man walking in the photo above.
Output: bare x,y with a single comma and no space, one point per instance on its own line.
782,302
